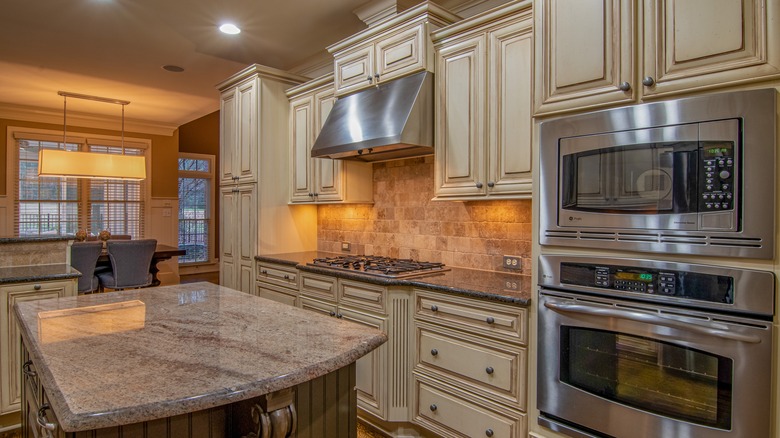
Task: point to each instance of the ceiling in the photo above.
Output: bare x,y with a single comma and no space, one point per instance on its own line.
116,49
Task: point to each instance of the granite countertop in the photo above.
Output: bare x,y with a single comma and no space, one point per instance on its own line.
489,285
27,274
124,357
35,239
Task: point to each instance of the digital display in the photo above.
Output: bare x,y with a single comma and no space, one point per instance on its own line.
634,276
722,150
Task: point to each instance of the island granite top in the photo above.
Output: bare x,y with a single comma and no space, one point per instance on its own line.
489,285
26,274
125,357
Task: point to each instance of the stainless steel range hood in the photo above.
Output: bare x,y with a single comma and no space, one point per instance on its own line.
388,121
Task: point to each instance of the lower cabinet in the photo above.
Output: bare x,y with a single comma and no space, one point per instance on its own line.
470,366
238,219
10,362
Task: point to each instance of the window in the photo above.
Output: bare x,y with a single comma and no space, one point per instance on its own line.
53,206
196,197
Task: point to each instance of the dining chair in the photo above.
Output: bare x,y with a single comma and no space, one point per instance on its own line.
130,262
83,257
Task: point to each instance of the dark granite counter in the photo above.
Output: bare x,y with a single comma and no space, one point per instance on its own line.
27,274
489,285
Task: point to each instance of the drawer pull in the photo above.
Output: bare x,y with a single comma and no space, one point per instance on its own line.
434,352
339,316
332,313
27,371
41,419
489,432
490,320
37,287
286,277
433,408
434,308
264,272
489,370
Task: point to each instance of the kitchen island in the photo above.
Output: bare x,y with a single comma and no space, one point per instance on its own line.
188,359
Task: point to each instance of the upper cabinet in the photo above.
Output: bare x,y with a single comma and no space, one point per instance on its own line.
484,103
321,180
238,132
389,49
594,53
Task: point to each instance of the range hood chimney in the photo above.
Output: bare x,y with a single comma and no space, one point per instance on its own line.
388,121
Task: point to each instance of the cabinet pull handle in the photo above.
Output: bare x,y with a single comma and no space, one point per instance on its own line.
286,277
339,316
264,272
434,352
624,86
41,419
370,79
316,194
433,408
332,313
311,195
491,184
27,371
489,432
37,287
434,308
648,81
479,185
489,370
490,320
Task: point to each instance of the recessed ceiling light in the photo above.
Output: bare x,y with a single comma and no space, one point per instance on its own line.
173,68
230,29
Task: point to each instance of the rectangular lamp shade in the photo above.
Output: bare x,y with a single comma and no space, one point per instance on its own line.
72,164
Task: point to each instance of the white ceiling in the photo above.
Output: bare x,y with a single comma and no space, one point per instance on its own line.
116,49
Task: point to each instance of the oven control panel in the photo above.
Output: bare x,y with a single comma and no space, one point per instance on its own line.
642,280
717,176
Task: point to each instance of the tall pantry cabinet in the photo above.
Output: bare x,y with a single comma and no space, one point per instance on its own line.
255,217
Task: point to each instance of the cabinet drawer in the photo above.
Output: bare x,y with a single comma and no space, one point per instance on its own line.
450,415
362,295
401,53
318,286
279,275
318,306
278,294
494,370
482,317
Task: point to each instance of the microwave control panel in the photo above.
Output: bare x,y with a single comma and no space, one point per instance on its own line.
716,172
632,279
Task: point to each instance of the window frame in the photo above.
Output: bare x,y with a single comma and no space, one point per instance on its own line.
211,174
84,140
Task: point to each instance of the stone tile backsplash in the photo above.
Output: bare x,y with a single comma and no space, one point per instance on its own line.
404,222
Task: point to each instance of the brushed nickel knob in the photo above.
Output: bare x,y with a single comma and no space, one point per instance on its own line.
434,407
479,185
370,79
434,352
491,184
490,320
434,308
489,432
489,370
624,86
648,81
37,287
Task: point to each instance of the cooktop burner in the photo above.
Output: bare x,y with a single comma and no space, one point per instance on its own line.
380,266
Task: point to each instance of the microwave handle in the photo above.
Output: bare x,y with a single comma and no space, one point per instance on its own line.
717,330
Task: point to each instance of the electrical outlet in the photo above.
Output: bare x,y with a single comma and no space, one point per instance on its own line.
513,262
511,285
345,246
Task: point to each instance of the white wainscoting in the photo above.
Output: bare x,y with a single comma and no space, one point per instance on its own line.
164,226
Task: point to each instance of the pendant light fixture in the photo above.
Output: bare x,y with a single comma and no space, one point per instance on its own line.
73,164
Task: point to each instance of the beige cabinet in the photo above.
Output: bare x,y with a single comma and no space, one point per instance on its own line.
10,348
321,180
470,363
392,48
277,282
255,217
484,106
593,53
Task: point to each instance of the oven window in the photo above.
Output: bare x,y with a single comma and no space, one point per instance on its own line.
650,375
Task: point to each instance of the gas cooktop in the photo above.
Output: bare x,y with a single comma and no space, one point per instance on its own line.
380,266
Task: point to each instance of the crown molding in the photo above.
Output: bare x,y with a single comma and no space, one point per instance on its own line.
77,119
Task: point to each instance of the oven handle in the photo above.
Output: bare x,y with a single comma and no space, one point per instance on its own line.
709,329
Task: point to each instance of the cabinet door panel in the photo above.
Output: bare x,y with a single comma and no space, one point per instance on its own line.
329,177
227,238
401,54
227,134
509,111
351,70
370,369
709,43
584,51
247,131
460,140
301,142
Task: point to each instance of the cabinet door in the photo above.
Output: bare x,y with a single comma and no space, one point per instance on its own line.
401,53
327,171
301,123
584,52
228,126
370,370
10,345
699,44
460,120
352,70
246,232
228,236
510,123
247,144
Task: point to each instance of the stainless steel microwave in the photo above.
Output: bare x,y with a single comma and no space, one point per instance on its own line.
686,176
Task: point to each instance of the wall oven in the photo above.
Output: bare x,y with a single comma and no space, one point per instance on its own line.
644,348
689,176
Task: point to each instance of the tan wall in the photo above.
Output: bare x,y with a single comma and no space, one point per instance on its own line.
404,222
164,154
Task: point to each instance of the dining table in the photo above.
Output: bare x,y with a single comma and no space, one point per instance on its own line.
161,252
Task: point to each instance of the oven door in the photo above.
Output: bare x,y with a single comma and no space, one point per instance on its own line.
618,368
